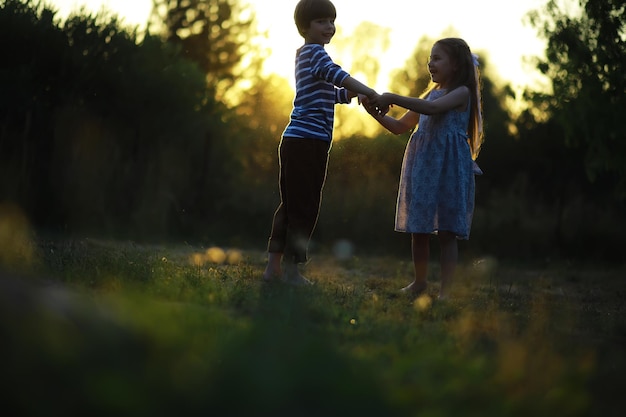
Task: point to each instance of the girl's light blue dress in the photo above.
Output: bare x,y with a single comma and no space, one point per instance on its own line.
436,191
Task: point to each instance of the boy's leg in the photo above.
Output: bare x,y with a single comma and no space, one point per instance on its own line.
278,236
448,259
305,174
420,251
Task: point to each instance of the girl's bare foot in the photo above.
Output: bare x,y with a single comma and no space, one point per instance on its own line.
415,289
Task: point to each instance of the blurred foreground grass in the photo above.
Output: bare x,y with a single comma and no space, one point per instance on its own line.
114,328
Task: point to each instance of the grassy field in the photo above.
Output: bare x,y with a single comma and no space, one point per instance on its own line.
116,328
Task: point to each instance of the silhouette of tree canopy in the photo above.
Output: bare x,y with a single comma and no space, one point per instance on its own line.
413,79
98,130
215,34
360,52
585,60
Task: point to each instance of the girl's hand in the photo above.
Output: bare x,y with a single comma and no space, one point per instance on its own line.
372,108
383,101
366,102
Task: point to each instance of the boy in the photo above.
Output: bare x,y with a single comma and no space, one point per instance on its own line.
305,142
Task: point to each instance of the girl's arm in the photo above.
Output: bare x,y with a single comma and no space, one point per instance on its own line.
397,126
455,99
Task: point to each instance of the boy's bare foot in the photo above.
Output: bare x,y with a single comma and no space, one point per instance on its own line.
271,275
444,295
415,289
294,277
298,280
273,270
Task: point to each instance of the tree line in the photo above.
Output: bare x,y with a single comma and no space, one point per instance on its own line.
110,132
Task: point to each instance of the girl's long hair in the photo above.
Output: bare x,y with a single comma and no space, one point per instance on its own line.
468,74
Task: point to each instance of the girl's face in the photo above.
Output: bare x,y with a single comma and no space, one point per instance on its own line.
320,31
440,66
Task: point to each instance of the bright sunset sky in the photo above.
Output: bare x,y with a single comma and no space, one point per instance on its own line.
494,26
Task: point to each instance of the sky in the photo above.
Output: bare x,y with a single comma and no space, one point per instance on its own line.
494,26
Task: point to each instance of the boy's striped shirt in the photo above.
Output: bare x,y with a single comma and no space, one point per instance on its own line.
316,94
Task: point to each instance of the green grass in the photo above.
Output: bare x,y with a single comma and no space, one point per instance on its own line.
115,328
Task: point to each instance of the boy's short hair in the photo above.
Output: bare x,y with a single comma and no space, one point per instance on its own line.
308,10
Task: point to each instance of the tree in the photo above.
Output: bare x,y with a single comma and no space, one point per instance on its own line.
215,34
413,79
29,70
360,53
100,132
585,59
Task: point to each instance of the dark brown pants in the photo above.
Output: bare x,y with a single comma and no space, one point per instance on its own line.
303,165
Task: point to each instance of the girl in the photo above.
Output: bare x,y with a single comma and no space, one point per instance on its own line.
436,192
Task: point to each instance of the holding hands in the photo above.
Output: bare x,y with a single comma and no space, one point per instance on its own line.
377,105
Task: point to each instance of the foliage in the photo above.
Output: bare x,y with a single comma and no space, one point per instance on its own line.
585,58
361,50
161,330
365,46
413,79
101,131
215,34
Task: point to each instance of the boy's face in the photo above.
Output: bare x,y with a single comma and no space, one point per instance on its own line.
320,31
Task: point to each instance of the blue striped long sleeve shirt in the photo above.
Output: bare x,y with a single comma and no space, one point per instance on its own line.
317,91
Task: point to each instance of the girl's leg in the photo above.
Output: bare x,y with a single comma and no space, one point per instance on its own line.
420,250
448,259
